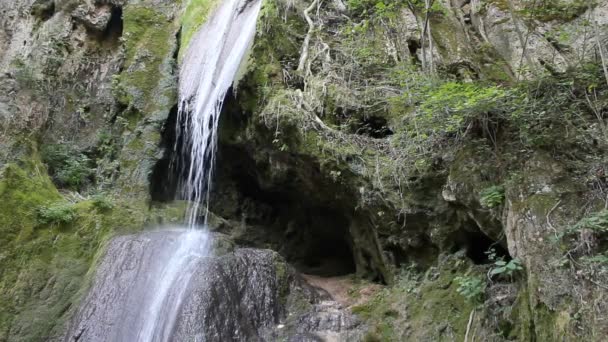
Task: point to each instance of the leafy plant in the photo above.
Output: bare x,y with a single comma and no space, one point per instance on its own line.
562,10
502,267
462,99
69,168
61,213
471,287
507,268
600,259
492,197
597,222
101,202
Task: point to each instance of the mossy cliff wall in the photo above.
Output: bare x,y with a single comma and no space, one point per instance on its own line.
483,136
394,151
87,87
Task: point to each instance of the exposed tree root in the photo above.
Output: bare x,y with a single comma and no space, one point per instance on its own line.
311,28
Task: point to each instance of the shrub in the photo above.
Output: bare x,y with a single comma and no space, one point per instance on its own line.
471,287
502,267
597,222
101,202
68,167
61,213
452,105
505,268
492,197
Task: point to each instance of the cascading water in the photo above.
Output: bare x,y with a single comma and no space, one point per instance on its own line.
207,73
151,305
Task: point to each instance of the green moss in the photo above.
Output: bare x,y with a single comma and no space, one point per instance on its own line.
439,304
380,312
522,314
149,43
136,160
46,268
429,305
22,190
281,275
555,10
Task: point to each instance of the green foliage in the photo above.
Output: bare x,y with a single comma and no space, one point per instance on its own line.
502,267
455,103
446,111
492,197
420,5
471,287
549,10
69,168
554,111
367,7
505,268
106,145
600,259
102,202
597,222
59,213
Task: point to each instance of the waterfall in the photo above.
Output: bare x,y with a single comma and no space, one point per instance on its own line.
149,308
207,73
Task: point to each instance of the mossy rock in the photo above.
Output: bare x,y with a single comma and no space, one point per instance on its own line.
147,82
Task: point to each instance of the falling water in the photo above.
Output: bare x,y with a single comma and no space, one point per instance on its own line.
153,302
207,73
168,289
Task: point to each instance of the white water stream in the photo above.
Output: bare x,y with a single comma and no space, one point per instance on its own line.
207,73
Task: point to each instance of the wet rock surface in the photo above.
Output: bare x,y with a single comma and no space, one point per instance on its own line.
242,295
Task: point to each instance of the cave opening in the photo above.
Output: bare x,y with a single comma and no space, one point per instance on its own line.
478,245
373,126
164,177
43,9
413,46
321,245
311,235
279,204
108,37
113,31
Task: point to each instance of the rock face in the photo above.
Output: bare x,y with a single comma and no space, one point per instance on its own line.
240,295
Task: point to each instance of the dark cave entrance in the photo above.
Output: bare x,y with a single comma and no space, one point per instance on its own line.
477,246
114,30
373,126
413,46
43,9
313,237
108,37
164,177
285,216
284,210
321,244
